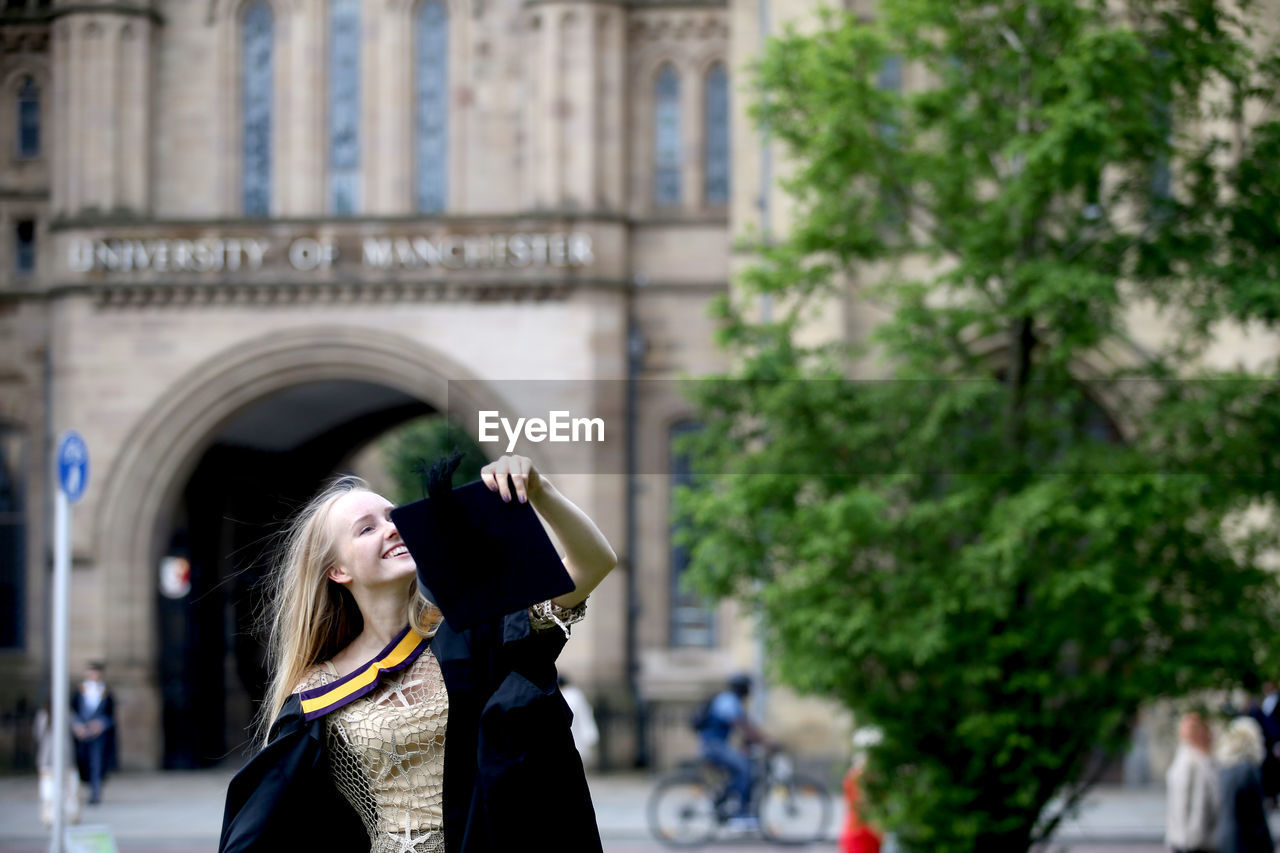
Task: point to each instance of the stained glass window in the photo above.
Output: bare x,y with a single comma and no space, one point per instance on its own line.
666,137
431,117
28,119
256,74
692,617
716,136
344,106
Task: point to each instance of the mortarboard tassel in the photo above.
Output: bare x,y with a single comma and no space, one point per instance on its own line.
438,482
440,475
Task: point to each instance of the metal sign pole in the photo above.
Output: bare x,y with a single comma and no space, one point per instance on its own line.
73,477
59,724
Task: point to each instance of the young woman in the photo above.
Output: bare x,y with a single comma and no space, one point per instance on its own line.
369,685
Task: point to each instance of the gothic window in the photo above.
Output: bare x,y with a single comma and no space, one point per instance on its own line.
431,115
890,76
24,255
666,137
692,618
28,118
256,73
1162,114
1161,173
12,538
344,106
715,189
889,79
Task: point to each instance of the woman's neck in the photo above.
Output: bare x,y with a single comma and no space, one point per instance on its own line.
384,613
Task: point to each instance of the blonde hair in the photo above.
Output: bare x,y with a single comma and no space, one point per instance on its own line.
307,617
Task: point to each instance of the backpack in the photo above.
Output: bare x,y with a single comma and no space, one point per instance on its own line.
701,716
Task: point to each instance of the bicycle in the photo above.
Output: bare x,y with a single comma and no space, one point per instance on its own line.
693,804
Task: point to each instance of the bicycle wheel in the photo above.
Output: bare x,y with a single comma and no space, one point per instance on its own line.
795,811
682,811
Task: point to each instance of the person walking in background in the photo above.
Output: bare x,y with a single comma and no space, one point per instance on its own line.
1193,796
1242,827
583,727
42,729
93,722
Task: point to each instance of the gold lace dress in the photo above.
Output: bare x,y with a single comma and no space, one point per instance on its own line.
386,749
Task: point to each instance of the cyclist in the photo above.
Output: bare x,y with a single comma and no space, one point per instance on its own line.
723,714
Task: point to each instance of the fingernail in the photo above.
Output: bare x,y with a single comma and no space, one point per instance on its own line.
523,499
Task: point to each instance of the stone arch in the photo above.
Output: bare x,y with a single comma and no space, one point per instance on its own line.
150,471
24,68
1093,370
706,59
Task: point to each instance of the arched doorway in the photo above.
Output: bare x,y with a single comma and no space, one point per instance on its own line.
209,470
259,467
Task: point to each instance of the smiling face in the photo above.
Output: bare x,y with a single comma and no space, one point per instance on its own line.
369,549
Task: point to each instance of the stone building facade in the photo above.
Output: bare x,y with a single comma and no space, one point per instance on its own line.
243,239
239,239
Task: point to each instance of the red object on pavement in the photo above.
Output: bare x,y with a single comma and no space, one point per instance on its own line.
856,837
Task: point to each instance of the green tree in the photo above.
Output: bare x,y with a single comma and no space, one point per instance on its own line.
421,443
1032,525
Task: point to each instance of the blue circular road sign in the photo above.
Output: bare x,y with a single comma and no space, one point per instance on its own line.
73,465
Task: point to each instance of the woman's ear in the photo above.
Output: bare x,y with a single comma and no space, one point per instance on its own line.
338,574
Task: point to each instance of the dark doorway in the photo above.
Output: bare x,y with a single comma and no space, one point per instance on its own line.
260,467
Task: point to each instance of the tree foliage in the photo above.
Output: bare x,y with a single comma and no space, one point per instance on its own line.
421,443
1032,524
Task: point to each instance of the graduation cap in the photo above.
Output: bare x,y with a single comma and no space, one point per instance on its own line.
478,557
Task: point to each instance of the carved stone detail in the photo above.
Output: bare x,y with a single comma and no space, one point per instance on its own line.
128,296
30,38
667,25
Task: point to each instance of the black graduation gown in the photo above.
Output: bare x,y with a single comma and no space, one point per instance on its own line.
511,772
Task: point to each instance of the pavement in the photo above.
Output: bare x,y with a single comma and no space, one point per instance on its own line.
181,812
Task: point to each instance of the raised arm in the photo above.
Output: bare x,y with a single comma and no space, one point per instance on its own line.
588,557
